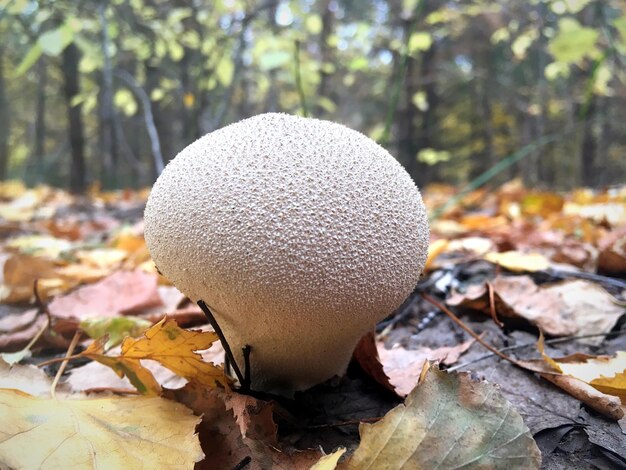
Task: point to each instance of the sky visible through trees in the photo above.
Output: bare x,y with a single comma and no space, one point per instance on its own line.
108,92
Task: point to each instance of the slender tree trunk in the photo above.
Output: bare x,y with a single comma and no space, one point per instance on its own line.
588,147
5,120
323,88
40,120
110,142
78,177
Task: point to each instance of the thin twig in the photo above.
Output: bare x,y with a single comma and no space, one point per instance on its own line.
222,338
244,463
534,343
68,354
477,337
492,305
59,359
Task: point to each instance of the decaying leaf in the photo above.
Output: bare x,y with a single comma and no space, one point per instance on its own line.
563,308
123,292
171,346
448,421
404,366
136,432
599,382
254,417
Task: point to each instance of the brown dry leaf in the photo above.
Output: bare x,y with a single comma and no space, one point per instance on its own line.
448,421
254,417
171,346
404,366
366,354
136,432
612,258
564,308
20,273
121,293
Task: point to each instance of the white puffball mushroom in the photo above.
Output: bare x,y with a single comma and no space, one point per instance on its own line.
299,234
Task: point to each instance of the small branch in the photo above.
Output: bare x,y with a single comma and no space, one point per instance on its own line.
60,359
222,338
66,359
243,464
492,305
455,319
534,343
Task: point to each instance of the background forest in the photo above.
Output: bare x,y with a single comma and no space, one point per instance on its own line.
108,91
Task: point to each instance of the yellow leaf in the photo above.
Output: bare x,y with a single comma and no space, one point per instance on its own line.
102,257
329,462
141,378
607,374
20,273
171,346
434,250
189,99
135,432
175,348
518,261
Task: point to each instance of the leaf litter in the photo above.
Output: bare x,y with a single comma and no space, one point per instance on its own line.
537,248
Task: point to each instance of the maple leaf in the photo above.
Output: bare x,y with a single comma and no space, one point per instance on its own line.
136,432
171,346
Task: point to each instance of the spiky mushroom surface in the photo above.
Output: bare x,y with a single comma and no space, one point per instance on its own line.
299,234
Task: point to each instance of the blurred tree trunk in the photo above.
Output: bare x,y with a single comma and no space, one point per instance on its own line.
5,120
588,146
326,58
78,178
110,143
40,120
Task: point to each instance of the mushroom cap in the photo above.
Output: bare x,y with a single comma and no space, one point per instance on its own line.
299,234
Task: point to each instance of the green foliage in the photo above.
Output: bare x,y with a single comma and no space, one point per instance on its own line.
450,88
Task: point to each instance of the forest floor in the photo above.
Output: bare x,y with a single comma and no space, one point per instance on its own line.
508,263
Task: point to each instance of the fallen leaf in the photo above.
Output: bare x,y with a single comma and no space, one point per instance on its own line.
448,421
135,432
564,308
612,258
28,379
368,358
171,346
254,417
404,366
330,461
577,373
21,272
123,292
519,262
95,375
